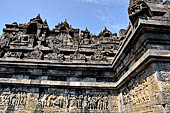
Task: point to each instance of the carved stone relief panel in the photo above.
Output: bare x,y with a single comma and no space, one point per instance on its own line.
164,76
26,38
91,102
164,84
140,93
55,100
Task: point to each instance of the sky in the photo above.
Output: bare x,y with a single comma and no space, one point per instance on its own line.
93,14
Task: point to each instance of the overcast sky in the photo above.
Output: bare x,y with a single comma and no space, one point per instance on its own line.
93,14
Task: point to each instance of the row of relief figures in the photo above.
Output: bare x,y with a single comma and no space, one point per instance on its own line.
38,54
37,45
142,89
67,101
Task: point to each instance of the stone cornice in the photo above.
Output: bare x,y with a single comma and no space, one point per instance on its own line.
52,63
133,33
141,63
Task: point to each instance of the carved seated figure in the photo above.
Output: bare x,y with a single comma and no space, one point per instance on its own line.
78,56
4,41
36,54
98,56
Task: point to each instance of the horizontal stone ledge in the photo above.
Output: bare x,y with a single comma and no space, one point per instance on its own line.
150,53
155,22
54,63
106,85
132,33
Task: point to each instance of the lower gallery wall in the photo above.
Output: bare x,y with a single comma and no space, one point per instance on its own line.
146,94
68,70
53,100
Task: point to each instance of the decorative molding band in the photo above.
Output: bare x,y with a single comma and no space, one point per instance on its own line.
108,85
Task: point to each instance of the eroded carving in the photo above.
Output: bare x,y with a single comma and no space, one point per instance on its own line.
92,102
63,43
13,98
164,76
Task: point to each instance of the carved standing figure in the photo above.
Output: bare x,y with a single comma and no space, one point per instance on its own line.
105,102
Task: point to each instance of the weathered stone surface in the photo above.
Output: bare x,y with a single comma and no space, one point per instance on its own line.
63,44
62,70
31,99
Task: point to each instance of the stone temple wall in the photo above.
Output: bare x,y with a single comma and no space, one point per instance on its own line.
163,78
31,90
142,94
66,70
36,100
